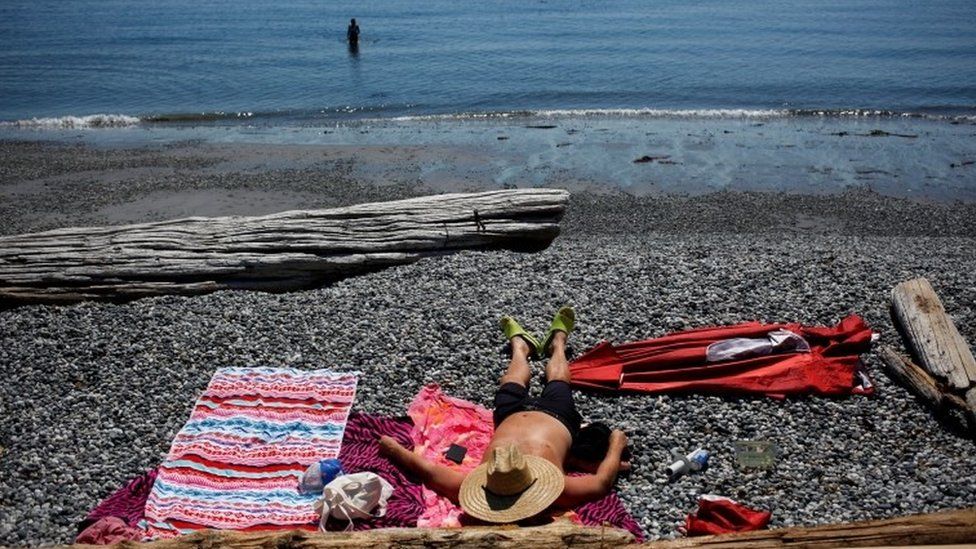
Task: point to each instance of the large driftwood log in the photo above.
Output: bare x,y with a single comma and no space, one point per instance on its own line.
925,386
947,527
559,534
931,335
279,252
957,526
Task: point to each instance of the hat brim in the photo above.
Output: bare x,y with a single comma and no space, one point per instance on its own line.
482,504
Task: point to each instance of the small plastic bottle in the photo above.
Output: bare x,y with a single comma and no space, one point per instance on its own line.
693,462
318,475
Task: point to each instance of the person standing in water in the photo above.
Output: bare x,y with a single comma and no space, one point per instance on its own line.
352,33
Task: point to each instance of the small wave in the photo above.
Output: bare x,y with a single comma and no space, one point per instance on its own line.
669,113
462,116
123,120
77,122
376,114
199,117
613,113
686,113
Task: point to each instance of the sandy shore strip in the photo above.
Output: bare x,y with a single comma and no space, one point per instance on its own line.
94,393
45,185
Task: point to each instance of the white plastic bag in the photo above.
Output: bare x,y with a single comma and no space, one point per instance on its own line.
738,348
359,495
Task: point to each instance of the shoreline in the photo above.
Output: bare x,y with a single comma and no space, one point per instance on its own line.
50,185
918,159
95,392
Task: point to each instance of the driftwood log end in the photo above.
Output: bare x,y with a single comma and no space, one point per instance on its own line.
280,252
938,397
930,334
945,374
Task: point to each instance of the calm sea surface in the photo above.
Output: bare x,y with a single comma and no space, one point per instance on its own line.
288,60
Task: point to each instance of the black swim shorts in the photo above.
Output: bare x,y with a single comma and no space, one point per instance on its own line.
556,400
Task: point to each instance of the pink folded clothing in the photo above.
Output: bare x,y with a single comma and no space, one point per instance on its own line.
128,503
718,515
440,420
108,530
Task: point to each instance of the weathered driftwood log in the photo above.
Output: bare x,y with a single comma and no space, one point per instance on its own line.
925,386
559,534
931,335
279,252
913,377
948,527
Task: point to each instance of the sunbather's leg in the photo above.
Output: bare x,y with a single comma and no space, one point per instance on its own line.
558,366
443,480
519,370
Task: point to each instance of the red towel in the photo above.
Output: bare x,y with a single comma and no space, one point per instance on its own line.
718,515
679,362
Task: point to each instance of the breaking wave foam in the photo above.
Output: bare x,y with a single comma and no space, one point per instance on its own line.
374,115
687,113
614,113
77,122
669,113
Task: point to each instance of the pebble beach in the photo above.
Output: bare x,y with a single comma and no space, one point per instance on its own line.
93,394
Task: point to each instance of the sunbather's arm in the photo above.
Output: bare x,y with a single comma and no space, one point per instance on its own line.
443,480
586,488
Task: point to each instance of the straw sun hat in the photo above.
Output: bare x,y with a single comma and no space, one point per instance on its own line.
510,486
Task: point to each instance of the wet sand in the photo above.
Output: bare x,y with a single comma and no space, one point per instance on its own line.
46,185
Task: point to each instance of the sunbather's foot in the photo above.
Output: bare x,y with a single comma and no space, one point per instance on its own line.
562,324
522,342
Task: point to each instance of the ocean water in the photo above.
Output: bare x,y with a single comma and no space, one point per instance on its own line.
119,62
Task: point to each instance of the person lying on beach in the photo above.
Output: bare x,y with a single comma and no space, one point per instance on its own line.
523,469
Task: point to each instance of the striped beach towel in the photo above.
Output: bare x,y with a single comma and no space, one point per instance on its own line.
236,463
